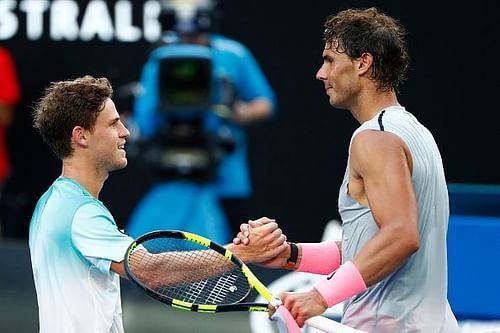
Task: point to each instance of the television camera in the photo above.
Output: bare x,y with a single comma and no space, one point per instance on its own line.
193,103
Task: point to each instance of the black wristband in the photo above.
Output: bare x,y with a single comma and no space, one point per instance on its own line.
294,252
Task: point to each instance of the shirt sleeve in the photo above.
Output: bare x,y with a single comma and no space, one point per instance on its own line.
95,234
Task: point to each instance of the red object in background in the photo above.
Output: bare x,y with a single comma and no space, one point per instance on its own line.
10,94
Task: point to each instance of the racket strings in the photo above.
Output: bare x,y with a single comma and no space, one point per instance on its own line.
186,271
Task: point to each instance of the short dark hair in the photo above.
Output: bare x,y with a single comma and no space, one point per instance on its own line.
357,31
66,104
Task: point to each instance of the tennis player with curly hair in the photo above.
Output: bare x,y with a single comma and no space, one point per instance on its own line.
390,268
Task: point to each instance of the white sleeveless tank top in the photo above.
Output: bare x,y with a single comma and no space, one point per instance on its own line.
413,298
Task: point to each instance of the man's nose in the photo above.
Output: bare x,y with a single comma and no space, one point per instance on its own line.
320,74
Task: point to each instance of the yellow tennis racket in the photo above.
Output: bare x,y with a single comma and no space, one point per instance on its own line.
193,273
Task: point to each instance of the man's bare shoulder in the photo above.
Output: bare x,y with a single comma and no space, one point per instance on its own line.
372,149
373,141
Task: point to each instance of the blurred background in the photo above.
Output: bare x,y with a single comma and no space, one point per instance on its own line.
296,159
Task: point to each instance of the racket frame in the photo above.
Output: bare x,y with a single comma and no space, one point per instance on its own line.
205,308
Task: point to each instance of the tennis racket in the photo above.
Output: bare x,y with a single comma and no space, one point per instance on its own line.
193,273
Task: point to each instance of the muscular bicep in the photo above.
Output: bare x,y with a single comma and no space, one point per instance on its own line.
381,163
381,167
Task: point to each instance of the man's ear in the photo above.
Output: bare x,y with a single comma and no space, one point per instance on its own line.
80,136
365,63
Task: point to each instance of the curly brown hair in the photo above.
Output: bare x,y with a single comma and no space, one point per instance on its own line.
358,31
66,104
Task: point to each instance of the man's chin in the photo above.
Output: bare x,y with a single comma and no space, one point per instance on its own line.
334,104
337,105
120,166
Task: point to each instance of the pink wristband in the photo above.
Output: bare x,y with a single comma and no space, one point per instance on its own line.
346,282
319,258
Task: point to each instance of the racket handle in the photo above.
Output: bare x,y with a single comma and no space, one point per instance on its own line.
285,321
329,326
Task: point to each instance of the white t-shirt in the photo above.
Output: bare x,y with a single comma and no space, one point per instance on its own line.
73,238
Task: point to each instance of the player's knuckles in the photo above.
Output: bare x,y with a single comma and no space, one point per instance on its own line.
278,232
271,226
284,299
255,224
279,246
274,236
291,301
259,222
282,238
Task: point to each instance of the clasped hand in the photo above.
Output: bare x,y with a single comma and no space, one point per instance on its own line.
301,305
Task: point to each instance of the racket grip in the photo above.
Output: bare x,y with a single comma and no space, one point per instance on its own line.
285,321
328,325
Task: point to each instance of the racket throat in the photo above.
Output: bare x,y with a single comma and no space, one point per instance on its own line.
275,302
